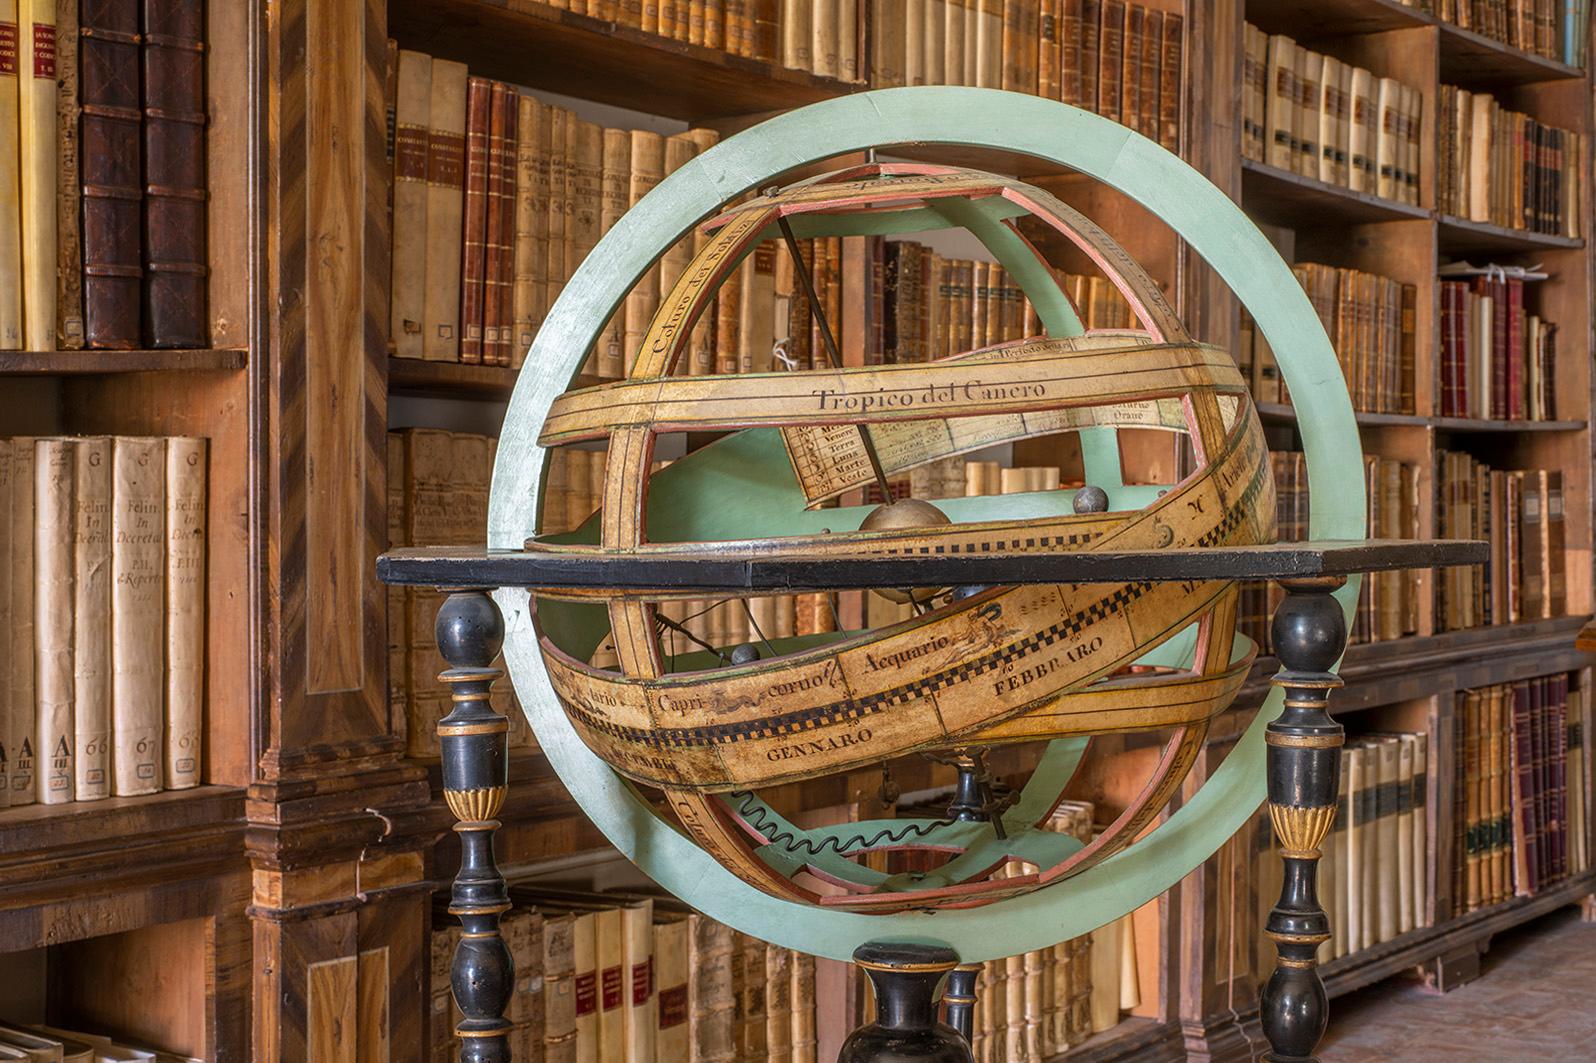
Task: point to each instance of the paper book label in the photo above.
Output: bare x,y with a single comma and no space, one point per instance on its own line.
611,988
43,51
586,993
8,48
642,981
672,1007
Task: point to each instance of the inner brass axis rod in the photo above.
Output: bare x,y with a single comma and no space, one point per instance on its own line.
832,354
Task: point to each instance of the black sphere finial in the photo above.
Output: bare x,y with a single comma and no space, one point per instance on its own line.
469,629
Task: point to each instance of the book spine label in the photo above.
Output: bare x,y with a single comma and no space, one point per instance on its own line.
52,598
185,609
91,633
138,545
174,173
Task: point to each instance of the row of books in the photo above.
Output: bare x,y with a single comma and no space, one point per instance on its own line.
1498,360
51,1044
1121,60
634,978
497,198
1505,168
102,601
1314,115
929,306
1388,602
1519,798
102,199
1034,1006
437,496
1557,29
1374,869
1370,321
1520,513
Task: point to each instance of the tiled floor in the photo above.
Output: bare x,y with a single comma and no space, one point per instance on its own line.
1536,1000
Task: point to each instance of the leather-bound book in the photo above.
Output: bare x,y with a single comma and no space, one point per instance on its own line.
68,193
1130,67
1091,35
1419,799
988,45
174,173
473,262
778,1004
888,31
111,148
1152,43
1070,30
531,254
1553,537
1110,60
52,576
795,33
91,608
848,40
559,987
10,197
138,577
498,307
36,116
804,1042
1020,37
1048,83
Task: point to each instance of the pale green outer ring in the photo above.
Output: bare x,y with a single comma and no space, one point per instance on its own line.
1172,190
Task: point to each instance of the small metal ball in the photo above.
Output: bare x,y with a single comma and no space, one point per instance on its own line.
747,653
1090,499
905,513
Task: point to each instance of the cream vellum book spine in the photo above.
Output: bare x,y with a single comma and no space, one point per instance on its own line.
91,634
185,609
52,600
138,577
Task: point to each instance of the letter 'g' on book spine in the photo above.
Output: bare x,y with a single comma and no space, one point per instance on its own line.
185,609
138,571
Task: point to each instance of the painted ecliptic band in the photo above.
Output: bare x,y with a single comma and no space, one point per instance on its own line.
878,696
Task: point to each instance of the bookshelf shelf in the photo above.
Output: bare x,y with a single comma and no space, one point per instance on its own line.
1471,425
1471,59
454,380
1275,195
542,47
1459,236
1279,413
1134,1038
1313,19
97,363
1420,947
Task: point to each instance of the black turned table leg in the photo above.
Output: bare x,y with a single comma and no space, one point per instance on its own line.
475,744
907,978
1304,768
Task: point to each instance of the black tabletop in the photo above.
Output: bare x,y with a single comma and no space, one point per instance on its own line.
698,567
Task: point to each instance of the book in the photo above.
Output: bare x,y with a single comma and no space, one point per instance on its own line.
68,223
91,609
499,297
531,248
711,993
474,219
446,129
138,547
173,58
109,166
19,719
36,155
186,527
10,186
1280,121
639,1004
54,520
408,282
672,966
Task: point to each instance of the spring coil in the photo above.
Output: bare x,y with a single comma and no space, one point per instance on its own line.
755,815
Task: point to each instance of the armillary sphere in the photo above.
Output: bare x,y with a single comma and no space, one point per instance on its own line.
669,752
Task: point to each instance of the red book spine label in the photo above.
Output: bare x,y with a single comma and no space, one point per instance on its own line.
446,158
672,1006
610,990
43,51
586,994
8,48
410,152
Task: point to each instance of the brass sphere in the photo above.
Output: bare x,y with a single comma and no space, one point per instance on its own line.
905,513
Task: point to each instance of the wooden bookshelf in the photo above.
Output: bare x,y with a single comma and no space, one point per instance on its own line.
96,363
